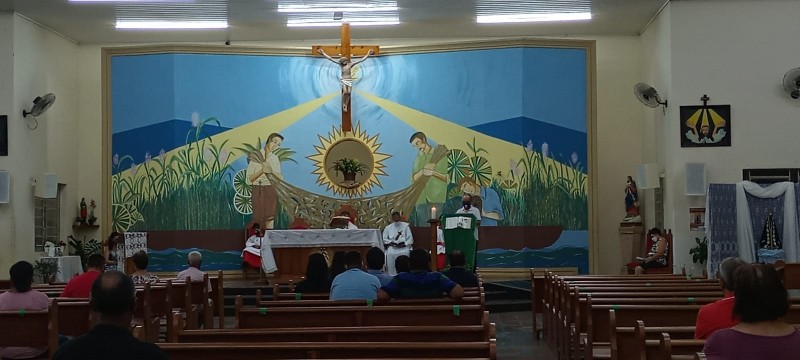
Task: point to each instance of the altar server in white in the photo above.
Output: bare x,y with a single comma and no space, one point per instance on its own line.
397,239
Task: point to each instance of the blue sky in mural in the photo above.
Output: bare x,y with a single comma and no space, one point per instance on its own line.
480,89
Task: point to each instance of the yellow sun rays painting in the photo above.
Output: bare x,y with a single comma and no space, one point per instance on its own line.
357,145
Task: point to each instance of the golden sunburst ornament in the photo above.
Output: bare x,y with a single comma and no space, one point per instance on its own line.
356,145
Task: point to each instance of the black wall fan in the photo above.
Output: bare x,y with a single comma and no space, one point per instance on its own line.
40,105
648,95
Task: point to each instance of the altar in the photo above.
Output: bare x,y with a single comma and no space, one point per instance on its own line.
292,247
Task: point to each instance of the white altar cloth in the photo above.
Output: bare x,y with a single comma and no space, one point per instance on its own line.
324,238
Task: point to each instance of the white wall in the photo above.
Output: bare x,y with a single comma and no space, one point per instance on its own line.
736,52
7,218
42,62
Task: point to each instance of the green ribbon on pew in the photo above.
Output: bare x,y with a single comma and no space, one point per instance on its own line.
691,300
21,312
298,296
262,311
369,302
457,310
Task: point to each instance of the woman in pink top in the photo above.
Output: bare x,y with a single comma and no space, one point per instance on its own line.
761,301
21,297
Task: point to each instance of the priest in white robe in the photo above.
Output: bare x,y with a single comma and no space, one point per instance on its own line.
397,239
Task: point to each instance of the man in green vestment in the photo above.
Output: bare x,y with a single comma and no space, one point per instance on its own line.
435,192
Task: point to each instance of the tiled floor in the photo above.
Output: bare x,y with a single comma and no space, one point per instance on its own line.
515,340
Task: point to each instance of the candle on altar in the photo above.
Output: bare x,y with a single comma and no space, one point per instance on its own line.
433,212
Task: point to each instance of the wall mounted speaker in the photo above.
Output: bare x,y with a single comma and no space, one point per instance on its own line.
647,177
47,186
3,135
5,186
695,179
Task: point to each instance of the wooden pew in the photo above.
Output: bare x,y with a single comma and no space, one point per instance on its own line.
337,316
472,300
455,333
31,328
328,350
74,317
218,295
598,337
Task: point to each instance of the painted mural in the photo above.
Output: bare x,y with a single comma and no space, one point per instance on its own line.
218,141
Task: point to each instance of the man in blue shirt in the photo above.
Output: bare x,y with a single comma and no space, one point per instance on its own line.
420,282
354,284
458,273
375,262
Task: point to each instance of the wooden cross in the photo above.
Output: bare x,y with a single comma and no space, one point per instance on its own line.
345,50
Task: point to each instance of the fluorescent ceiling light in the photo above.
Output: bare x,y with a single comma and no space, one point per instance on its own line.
350,8
317,23
543,17
125,24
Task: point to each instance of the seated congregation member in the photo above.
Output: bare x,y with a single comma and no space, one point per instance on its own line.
257,252
81,285
338,265
719,314
397,239
113,301
110,251
401,264
21,297
354,284
760,303
657,255
317,280
419,282
141,276
458,273
195,260
375,262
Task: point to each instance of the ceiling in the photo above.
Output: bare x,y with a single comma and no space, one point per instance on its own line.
259,20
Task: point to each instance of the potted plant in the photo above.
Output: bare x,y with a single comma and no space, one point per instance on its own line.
46,270
700,252
349,168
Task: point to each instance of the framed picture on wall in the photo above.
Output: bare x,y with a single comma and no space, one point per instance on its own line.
697,219
705,125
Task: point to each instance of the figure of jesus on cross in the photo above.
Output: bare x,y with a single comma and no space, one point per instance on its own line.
347,74
345,61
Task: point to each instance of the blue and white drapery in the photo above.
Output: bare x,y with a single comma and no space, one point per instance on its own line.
736,213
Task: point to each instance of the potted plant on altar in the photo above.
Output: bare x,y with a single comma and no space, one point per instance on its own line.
349,168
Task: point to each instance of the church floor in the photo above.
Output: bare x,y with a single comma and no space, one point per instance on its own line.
514,338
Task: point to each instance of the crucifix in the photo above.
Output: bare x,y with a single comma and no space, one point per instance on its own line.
345,52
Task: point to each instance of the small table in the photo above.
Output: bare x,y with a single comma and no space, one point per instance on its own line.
68,266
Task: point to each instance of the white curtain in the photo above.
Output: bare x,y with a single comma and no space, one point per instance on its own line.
744,224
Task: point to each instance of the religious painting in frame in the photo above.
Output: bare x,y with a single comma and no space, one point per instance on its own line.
697,219
705,126
236,136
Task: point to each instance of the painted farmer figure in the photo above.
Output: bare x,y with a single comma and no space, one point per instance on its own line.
484,199
435,192
265,199
397,239
347,74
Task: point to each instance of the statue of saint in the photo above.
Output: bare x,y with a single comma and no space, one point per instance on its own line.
631,202
347,74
